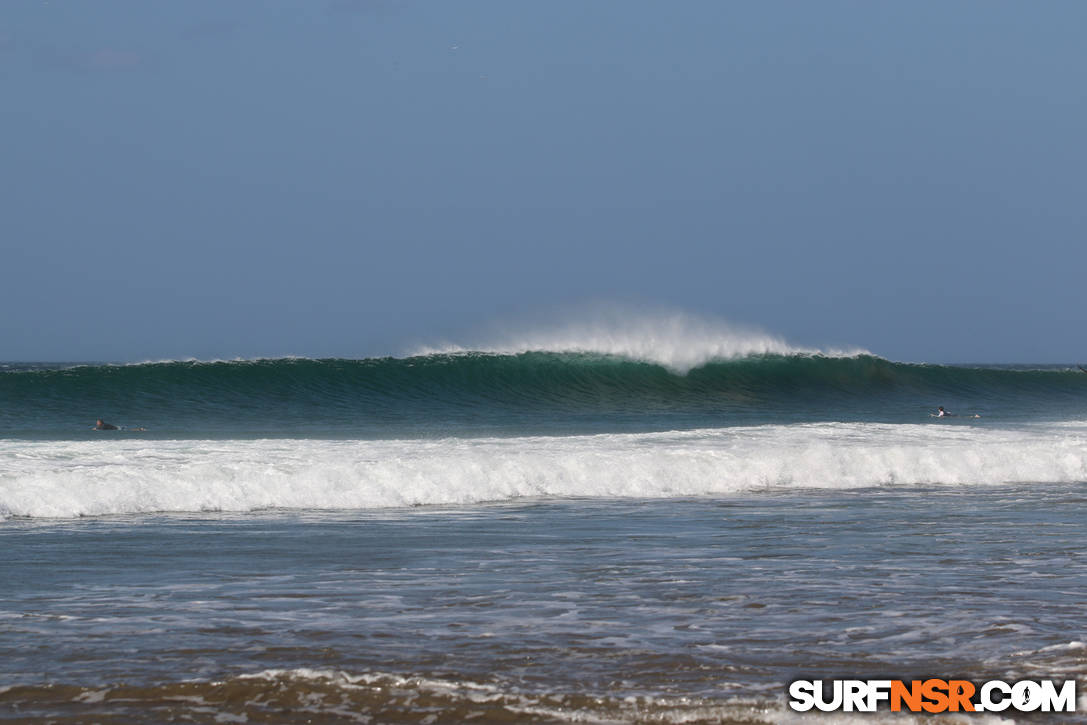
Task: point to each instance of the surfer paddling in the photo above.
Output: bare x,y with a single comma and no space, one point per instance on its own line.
103,425
941,413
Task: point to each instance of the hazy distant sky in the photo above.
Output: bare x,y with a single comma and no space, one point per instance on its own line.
356,177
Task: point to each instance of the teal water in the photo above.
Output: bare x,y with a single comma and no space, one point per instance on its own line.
528,393
537,537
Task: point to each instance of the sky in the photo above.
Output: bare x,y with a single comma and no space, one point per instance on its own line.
359,177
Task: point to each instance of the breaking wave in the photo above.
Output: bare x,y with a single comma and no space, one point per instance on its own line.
63,479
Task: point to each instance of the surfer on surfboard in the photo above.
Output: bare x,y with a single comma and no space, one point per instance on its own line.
103,425
941,413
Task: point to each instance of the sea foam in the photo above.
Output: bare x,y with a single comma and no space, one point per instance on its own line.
59,479
676,340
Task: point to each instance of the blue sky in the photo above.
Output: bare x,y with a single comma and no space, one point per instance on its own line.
357,177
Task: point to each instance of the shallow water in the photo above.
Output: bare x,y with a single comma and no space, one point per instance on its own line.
547,610
597,534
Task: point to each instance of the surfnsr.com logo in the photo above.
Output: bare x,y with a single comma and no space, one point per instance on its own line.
932,695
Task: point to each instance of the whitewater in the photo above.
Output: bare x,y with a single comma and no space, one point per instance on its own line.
89,478
619,519
675,340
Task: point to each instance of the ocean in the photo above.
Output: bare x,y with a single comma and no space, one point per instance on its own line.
547,535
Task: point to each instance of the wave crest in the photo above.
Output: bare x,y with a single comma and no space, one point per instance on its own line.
675,340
